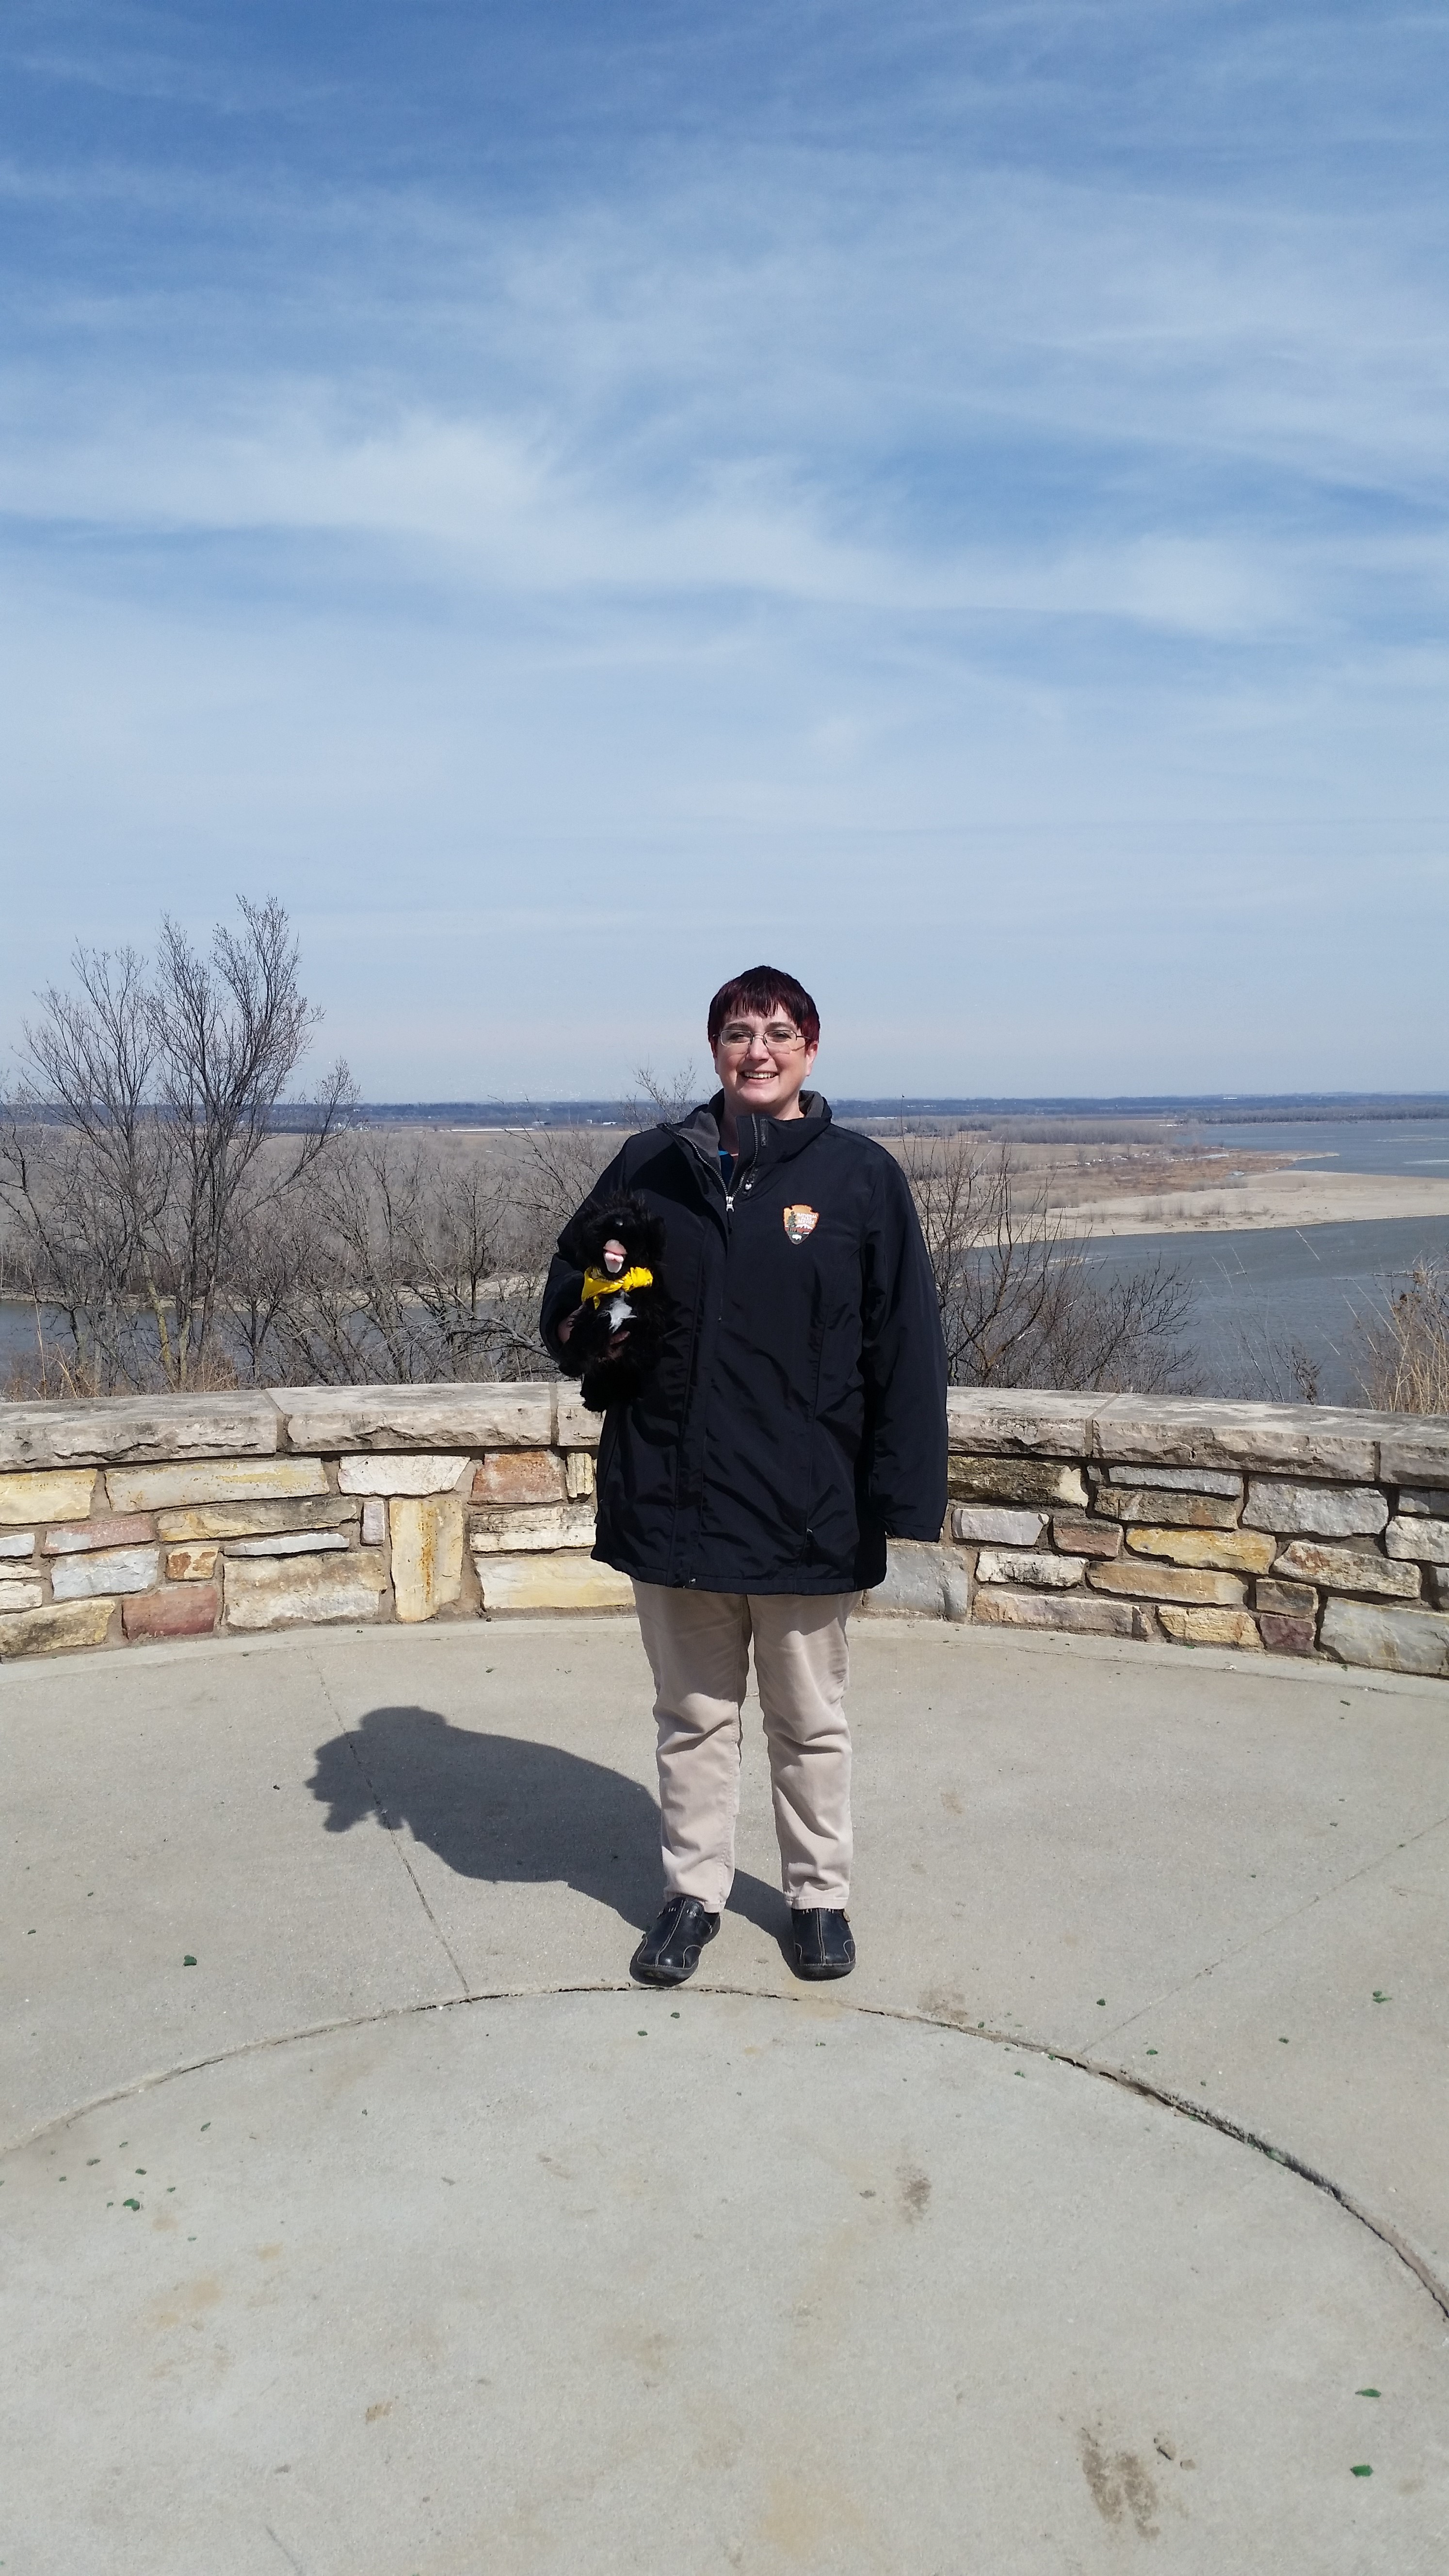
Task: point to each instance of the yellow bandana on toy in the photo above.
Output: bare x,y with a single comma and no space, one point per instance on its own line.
597,1283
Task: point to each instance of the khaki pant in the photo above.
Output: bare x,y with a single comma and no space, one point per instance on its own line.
698,1645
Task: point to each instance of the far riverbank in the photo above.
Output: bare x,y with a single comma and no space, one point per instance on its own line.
1256,1293
1357,1172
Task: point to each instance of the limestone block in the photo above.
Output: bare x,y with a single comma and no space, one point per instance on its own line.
1181,1480
995,1525
195,1563
1012,1424
111,1569
108,1529
1301,1439
61,1495
1211,1627
1236,1551
504,1531
1414,1453
374,1521
303,1592
1079,1614
460,1417
125,1429
1088,1538
55,1630
1409,1536
1025,1565
1347,1569
1391,1641
1436,1580
579,1475
922,1580
1169,1583
15,1543
1165,1510
427,1553
421,1472
192,1610
216,1480
552,1583
1015,1480
251,1520
522,1476
578,1428
19,1594
1283,1635
1324,1511
1287,1600
291,1543
1431,1501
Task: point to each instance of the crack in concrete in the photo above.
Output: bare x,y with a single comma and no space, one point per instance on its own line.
392,1832
1201,2113
1325,1895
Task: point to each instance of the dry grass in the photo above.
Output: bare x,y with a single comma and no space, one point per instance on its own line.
54,1374
1404,1362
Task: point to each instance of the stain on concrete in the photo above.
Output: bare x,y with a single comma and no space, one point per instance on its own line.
947,2003
915,2193
1119,2484
187,2304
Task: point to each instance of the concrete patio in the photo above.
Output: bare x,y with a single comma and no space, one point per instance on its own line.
399,2236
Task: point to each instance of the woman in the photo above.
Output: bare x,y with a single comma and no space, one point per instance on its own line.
795,1420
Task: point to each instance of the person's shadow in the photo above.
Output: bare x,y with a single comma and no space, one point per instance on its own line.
500,1807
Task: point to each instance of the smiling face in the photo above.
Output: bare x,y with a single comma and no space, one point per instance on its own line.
762,1062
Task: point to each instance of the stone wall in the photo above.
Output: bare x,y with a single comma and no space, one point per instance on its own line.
1289,1530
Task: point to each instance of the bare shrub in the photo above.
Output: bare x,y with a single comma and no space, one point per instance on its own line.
133,1161
1021,1303
403,1263
1275,1370
1404,1348
403,1270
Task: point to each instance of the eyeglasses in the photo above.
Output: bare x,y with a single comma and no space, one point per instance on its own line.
779,1037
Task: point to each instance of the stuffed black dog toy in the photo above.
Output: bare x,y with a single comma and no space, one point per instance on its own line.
618,1332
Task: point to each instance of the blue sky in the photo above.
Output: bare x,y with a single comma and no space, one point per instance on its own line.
577,499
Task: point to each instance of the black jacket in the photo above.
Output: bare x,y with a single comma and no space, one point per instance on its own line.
798,1414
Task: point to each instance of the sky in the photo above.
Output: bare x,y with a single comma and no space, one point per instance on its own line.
580,499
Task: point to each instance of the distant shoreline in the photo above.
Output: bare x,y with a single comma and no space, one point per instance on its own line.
1271,1200
1192,1109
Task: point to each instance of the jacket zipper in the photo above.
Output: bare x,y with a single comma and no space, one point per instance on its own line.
744,1180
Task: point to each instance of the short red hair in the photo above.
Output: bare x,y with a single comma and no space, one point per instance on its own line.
764,989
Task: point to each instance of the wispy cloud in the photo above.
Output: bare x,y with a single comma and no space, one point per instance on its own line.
998,488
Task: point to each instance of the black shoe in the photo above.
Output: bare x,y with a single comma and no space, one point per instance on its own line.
820,1942
669,1951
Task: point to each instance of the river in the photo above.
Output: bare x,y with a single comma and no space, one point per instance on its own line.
1255,1294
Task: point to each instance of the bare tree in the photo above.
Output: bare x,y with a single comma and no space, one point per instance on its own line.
668,1096
411,1270
1021,1303
560,1168
272,1258
133,1160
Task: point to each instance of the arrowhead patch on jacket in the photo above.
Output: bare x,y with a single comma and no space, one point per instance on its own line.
800,1221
